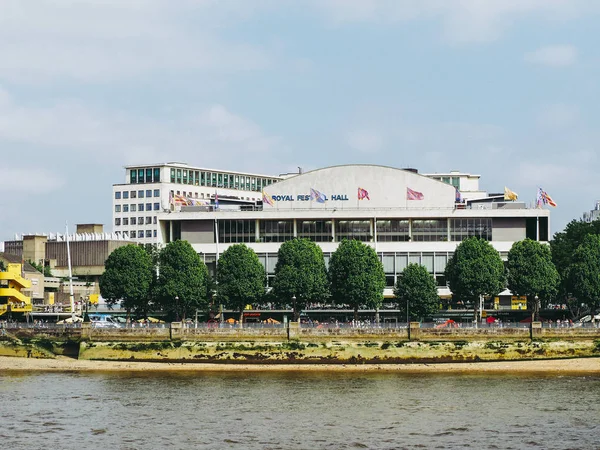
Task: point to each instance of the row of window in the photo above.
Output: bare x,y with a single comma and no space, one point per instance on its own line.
139,207
454,181
137,233
135,221
146,175
388,230
222,180
148,193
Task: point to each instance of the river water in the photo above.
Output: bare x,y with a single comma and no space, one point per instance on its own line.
287,410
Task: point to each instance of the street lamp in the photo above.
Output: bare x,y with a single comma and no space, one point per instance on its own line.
177,307
297,319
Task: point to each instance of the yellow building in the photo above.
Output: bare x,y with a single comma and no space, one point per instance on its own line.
11,284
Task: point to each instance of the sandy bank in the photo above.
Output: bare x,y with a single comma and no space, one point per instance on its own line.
583,366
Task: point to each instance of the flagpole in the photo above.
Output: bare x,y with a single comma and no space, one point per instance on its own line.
71,295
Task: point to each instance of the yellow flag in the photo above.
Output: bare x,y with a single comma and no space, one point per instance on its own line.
510,195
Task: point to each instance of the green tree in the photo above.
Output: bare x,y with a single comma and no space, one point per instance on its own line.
2,267
182,280
241,278
127,278
41,268
416,290
532,273
356,276
475,270
300,275
584,272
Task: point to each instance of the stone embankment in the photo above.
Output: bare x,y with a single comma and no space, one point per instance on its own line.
303,345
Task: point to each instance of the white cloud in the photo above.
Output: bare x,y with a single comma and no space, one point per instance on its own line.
461,20
553,56
28,181
558,116
365,140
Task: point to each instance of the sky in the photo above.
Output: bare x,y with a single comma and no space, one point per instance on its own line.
507,89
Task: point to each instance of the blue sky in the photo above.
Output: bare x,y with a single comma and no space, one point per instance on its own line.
507,89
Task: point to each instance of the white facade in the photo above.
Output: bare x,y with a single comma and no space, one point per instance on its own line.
364,202
148,190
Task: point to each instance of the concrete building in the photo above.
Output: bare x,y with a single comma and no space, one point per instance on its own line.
406,217
594,214
151,189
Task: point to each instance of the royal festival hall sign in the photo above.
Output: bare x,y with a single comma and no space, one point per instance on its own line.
314,195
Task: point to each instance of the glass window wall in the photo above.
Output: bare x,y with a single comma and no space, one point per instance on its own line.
353,229
276,230
430,230
392,230
315,230
234,231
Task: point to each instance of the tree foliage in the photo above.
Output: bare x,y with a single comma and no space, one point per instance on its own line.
416,287
300,274
475,269
45,270
356,276
182,280
583,274
241,278
127,278
532,273
563,246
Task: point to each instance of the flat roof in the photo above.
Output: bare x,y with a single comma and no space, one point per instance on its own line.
183,165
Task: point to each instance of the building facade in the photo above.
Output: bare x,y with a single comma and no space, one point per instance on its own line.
151,189
406,217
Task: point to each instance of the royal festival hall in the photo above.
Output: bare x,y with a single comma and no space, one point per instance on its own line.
407,217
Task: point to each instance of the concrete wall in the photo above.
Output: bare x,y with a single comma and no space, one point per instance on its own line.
198,231
509,229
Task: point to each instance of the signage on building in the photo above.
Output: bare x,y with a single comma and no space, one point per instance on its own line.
307,198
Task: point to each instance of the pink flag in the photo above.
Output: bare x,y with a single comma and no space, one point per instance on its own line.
413,195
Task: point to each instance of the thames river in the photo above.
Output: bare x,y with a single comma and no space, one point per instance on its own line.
287,410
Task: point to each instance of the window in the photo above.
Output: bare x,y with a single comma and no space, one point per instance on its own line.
140,221
237,181
140,206
157,192
157,206
133,176
140,194
148,220
157,174
133,221
461,229
133,194
179,175
117,195
148,233
233,231
149,193
125,220
185,177
140,234
315,230
456,182
172,175
117,208
154,233
213,179
125,194
125,208
197,178
148,206
140,175
220,180
149,175
392,230
430,230
276,230
353,229
154,220
132,208
117,221
202,178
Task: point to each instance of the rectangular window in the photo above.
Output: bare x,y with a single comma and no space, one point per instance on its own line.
234,231
172,175
133,176
213,179
156,206
353,229
237,181
140,221
226,181
133,194
456,182
125,194
202,178
148,206
154,233
315,230
140,206
446,180
140,194
276,230
117,208
179,176
140,234
133,221
117,221
461,229
125,208
429,230
392,230
132,207
401,262
148,220
118,195
149,175
253,184
125,220
157,192
154,220
140,175
148,193
220,180
157,175
185,177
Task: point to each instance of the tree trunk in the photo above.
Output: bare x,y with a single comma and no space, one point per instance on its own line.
242,318
356,314
296,314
